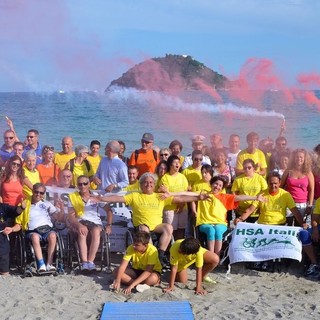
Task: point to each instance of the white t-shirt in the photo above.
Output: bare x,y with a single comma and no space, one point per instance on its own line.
91,212
40,214
233,158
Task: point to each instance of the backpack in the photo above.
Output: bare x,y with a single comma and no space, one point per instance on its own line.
136,153
87,163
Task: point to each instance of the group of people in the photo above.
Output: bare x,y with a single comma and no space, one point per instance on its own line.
169,194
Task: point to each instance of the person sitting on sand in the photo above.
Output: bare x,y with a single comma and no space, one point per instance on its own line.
146,268
36,222
184,253
85,220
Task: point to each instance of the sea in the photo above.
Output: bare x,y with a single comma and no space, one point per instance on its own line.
125,114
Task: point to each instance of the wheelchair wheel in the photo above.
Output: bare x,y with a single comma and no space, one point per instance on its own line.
18,255
129,239
74,261
105,252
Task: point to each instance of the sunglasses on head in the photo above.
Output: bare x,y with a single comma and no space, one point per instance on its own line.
47,148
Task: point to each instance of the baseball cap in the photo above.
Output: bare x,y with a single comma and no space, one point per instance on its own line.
198,139
147,137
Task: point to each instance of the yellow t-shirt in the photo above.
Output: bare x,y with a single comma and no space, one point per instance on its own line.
94,161
258,157
34,177
192,175
250,187
140,261
135,187
275,209
79,170
61,159
183,261
146,208
316,209
201,185
174,183
214,211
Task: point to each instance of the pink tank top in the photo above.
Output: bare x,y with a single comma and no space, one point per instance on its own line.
298,188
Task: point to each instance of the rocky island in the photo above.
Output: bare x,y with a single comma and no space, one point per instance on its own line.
170,73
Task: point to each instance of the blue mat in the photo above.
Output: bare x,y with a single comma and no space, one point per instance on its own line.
175,310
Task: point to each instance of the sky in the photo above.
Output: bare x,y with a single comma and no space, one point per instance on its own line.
84,45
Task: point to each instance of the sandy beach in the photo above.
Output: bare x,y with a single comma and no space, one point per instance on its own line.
248,294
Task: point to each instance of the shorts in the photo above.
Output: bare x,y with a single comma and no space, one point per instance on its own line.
301,207
305,236
43,236
177,220
4,253
213,231
89,224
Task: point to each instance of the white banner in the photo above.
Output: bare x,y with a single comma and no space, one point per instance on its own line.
121,216
260,242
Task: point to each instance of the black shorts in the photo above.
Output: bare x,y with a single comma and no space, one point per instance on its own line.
90,225
4,253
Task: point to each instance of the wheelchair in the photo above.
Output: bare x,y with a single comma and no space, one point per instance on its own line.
103,256
24,259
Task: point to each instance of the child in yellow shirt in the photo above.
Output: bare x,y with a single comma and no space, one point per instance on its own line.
184,253
146,268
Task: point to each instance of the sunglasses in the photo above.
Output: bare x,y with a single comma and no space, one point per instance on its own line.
80,184
247,168
146,142
8,138
15,164
30,137
164,154
39,192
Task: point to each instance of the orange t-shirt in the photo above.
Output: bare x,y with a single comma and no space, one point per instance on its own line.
227,200
11,192
145,162
48,175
